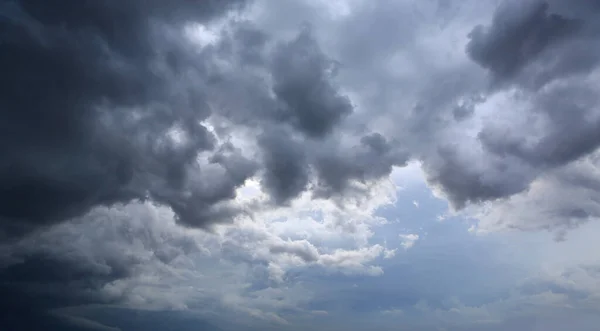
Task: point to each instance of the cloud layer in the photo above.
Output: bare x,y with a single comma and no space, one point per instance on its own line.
273,127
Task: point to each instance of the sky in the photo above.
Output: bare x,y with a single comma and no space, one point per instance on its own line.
224,165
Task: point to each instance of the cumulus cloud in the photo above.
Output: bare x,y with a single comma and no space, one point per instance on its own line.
408,240
82,263
549,137
301,76
108,106
518,34
140,113
537,116
138,257
287,170
102,104
561,200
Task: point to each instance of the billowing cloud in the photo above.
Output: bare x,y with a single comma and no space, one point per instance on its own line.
102,104
138,257
134,105
287,169
538,116
273,126
301,75
518,34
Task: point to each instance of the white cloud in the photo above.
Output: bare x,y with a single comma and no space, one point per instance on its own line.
183,269
393,312
408,240
389,253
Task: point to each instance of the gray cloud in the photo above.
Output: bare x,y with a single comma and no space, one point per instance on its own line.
302,80
38,282
300,116
108,103
303,249
105,104
97,259
286,166
92,97
571,131
463,182
101,105
371,158
535,54
518,34
94,117
561,200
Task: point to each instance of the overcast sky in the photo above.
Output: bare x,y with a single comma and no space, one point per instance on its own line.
299,165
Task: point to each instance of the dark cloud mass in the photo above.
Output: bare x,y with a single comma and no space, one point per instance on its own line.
92,93
113,104
370,158
35,283
519,32
81,263
302,76
286,166
542,55
100,104
106,103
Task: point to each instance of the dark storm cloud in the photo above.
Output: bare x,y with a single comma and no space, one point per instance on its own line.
81,263
100,104
372,158
570,133
519,32
299,115
286,166
104,103
463,183
537,42
133,320
93,94
515,39
302,77
32,287
543,51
